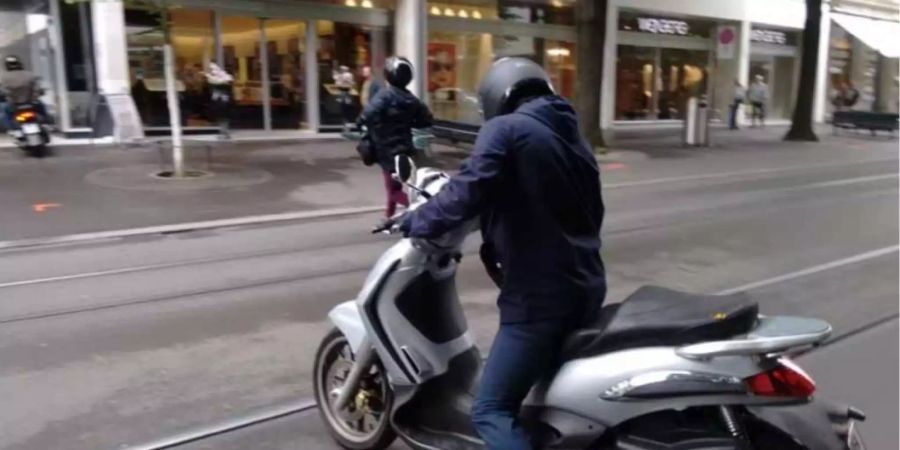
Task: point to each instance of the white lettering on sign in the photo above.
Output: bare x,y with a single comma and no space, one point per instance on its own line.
769,36
663,26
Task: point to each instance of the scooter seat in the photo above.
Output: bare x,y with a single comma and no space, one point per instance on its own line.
657,316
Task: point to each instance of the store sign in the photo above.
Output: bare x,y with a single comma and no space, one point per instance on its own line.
769,36
726,41
663,26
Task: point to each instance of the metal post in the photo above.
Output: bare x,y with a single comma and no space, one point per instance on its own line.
264,59
312,76
217,38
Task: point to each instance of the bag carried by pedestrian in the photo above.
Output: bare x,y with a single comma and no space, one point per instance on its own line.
366,149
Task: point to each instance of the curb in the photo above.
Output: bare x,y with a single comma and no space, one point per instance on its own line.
188,226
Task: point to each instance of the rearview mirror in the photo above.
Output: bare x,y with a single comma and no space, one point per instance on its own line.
404,168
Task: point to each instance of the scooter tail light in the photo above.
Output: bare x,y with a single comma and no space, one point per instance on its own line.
23,116
786,379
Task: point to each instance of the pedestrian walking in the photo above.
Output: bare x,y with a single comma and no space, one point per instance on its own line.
758,96
846,96
220,86
370,86
736,101
390,117
343,80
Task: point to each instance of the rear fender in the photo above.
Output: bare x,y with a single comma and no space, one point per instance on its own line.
813,425
347,319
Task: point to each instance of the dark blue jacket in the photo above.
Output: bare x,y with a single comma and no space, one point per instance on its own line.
390,117
536,186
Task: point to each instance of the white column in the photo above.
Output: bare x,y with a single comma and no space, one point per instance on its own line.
821,96
312,76
410,36
743,66
110,47
266,82
62,87
608,85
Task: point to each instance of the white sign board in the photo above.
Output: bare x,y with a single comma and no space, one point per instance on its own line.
769,36
126,120
726,42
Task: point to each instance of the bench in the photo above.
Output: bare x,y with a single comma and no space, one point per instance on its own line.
864,120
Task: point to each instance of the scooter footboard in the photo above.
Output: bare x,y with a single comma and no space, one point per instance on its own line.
346,318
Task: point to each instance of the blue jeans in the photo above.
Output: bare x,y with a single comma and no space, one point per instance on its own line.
732,116
521,355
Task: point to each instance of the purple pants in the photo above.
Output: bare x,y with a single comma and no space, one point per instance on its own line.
395,194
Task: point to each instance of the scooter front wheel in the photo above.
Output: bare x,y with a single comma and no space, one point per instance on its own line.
364,423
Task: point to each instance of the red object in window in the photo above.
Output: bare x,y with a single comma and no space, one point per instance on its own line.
784,380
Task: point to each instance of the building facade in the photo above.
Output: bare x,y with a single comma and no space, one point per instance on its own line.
284,55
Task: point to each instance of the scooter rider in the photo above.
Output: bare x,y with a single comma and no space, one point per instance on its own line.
535,184
390,117
20,86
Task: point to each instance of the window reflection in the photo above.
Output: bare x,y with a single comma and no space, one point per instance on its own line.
345,51
193,46
458,61
242,59
287,44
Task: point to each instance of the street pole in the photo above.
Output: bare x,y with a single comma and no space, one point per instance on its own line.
174,110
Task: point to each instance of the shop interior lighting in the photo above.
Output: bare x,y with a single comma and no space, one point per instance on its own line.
449,12
350,3
462,14
559,51
476,14
366,3
435,11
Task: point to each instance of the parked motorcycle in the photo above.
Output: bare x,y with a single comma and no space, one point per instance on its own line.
661,370
30,133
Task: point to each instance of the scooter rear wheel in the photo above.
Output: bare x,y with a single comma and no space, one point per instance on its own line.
364,424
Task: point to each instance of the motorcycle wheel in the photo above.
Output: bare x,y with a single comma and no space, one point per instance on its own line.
364,424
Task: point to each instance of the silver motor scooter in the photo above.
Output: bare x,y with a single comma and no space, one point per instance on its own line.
661,370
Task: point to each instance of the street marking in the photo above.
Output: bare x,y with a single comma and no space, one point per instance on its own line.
612,166
316,214
190,226
814,269
737,173
42,207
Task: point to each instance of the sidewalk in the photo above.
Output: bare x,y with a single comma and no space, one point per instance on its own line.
102,188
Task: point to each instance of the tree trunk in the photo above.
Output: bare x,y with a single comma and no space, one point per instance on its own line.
590,17
802,121
172,100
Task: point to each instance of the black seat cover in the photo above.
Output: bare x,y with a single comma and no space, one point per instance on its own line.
653,316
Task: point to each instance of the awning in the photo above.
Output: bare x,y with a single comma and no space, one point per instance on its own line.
880,35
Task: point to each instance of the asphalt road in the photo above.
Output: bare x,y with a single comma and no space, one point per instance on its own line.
116,343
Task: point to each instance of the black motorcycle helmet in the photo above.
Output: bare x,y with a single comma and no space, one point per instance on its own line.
12,62
510,81
398,71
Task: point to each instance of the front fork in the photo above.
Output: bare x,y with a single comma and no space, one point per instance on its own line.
362,362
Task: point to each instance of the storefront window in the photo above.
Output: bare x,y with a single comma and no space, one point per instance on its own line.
634,83
192,42
287,48
682,75
656,83
241,56
559,12
458,61
80,80
345,52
